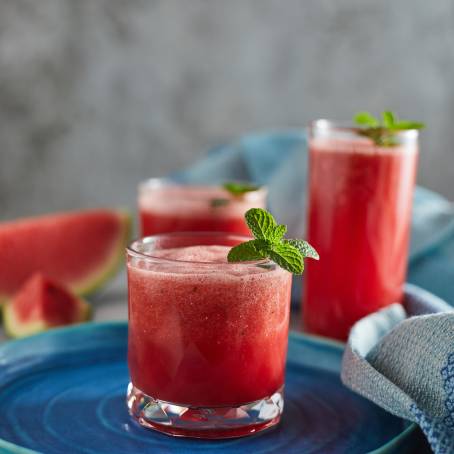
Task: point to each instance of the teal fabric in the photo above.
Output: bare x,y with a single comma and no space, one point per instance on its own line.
279,160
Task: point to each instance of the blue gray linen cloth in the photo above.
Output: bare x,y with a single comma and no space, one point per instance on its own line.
402,357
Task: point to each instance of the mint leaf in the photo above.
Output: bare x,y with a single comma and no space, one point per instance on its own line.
248,251
383,133
287,257
236,188
405,124
270,243
261,223
388,119
278,233
365,119
305,248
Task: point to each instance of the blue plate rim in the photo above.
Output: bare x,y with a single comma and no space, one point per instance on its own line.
11,448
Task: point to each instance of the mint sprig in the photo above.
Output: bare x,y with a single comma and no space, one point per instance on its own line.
305,248
253,250
287,257
262,224
383,133
270,243
237,188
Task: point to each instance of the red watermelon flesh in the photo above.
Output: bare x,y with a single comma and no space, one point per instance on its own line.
79,250
41,304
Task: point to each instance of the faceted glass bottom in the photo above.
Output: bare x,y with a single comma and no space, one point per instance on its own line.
205,422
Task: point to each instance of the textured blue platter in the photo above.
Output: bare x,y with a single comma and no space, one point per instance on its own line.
64,391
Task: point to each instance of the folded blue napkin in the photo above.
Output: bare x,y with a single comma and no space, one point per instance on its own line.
279,160
402,358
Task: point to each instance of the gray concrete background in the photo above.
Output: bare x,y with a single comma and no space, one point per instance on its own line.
96,95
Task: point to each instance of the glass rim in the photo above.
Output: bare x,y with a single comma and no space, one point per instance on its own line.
333,125
131,249
162,182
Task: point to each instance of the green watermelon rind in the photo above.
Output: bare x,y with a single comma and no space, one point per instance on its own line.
16,329
109,268
115,262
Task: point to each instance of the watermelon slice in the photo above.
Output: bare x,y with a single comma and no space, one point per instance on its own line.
80,250
42,304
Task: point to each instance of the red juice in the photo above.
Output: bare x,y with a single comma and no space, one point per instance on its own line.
168,207
360,199
207,335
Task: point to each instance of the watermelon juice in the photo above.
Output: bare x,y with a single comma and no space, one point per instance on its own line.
360,199
207,338
169,207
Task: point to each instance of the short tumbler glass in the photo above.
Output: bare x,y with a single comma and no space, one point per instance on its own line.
166,206
207,340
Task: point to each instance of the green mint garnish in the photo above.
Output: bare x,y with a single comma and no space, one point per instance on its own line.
366,119
305,248
253,250
236,188
287,257
270,243
262,224
383,133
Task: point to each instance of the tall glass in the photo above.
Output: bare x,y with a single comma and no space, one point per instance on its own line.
207,338
359,212
166,206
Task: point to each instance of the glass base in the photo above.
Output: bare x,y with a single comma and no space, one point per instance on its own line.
205,422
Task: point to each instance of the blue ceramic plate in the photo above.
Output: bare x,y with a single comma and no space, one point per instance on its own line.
64,391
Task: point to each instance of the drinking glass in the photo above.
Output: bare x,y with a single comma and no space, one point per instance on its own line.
359,213
166,206
207,338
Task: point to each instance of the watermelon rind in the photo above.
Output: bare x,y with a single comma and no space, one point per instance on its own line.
109,267
16,329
